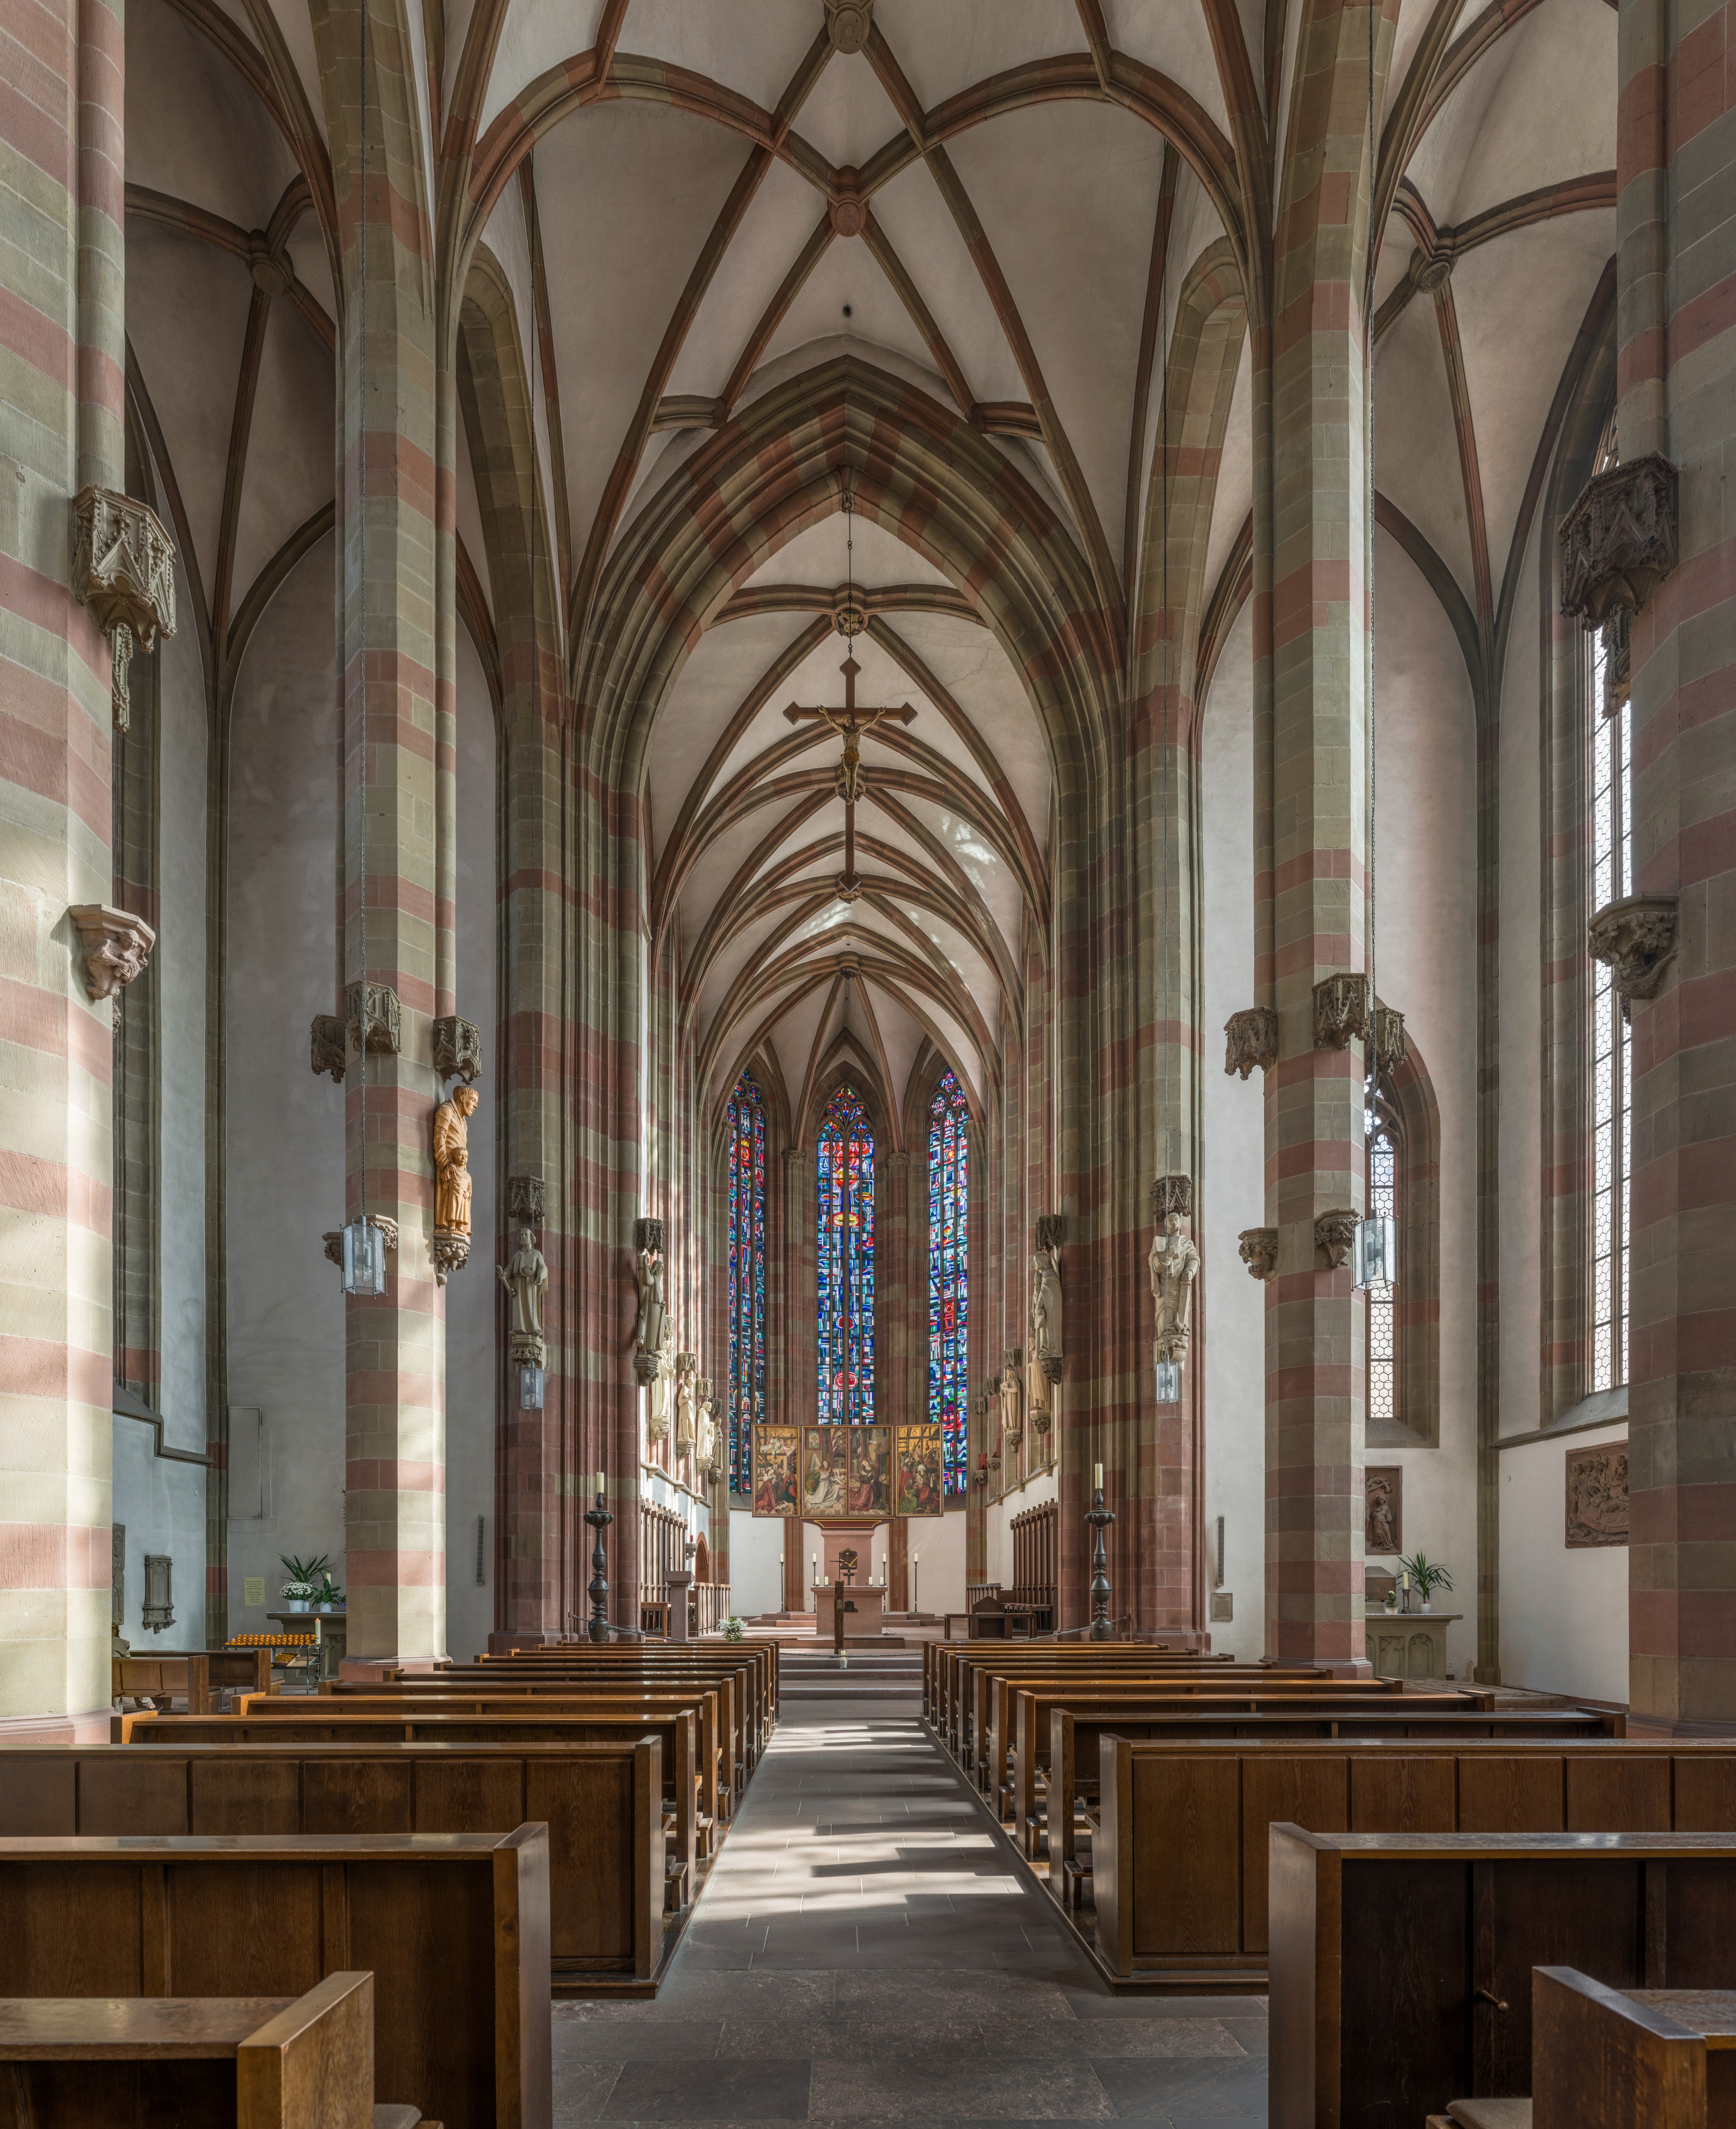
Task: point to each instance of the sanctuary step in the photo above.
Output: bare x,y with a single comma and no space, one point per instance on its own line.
881,1670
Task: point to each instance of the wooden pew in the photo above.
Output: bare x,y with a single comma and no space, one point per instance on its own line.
1604,2058
1031,1703
1401,1963
761,1654
1076,1759
1181,1856
602,1805
198,1675
180,2062
578,1704
454,1928
952,1692
748,1676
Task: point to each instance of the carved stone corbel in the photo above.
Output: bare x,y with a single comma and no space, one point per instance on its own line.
1251,1038
457,1049
527,1200
1334,1234
1619,541
334,1240
449,1251
385,1019
1389,1047
648,1235
328,1047
1171,1193
1635,940
1050,1232
124,576
116,945
1258,1249
1340,1010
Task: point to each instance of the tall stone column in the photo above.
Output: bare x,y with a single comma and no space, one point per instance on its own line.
394,915
1676,155
1311,714
61,413
797,1334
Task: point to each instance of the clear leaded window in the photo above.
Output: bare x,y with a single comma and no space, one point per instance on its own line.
948,1285
844,1272
747,1276
1612,877
1383,1173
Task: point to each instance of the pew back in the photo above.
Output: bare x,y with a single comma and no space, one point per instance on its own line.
453,1928
1401,1964
602,1804
1608,2058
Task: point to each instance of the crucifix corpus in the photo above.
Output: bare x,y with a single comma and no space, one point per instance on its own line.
850,723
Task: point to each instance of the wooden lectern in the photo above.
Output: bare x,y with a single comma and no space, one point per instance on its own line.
864,1610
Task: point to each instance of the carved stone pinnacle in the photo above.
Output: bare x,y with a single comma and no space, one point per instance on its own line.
1635,940
1258,1249
1251,1038
1334,1234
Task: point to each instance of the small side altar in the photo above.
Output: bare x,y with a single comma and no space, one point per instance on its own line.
863,1605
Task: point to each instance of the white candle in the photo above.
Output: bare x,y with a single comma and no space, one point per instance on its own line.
1097,1477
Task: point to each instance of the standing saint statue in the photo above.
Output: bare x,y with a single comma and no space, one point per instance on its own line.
1045,1306
649,1273
452,1162
1174,1264
657,1417
1008,1390
687,1397
525,1278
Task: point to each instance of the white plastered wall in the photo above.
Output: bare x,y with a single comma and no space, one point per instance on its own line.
1564,1614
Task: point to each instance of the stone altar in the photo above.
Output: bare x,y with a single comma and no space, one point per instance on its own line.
1409,1644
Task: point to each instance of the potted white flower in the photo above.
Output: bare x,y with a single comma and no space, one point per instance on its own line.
733,1629
299,1590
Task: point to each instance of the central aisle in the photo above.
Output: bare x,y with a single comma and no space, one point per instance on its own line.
867,1949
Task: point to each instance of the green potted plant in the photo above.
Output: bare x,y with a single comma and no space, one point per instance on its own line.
329,1598
1426,1577
303,1579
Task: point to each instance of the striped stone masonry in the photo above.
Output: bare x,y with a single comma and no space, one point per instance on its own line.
1676,356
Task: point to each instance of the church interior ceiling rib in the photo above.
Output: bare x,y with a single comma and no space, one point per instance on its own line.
998,205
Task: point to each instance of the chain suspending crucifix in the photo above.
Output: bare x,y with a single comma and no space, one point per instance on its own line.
850,723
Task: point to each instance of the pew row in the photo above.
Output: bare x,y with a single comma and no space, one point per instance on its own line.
1072,1775
453,1928
197,1675
758,1658
602,1805
181,2062
1401,1963
1181,1857
673,1735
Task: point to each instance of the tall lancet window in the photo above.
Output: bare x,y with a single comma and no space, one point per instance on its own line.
948,1274
1612,877
845,1269
1383,1202
747,1277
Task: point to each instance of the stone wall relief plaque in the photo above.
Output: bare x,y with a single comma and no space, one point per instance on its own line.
1597,1497
1383,1516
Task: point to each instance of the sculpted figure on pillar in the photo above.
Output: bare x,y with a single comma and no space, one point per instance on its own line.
686,1400
1008,1390
1174,1264
452,1162
649,1273
1045,1306
525,1278
661,1381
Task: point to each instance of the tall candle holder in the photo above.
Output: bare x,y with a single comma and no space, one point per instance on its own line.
1100,1518
599,1519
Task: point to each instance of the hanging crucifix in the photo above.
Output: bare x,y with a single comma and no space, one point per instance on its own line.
850,723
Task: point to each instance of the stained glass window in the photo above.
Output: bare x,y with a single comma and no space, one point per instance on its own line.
845,1268
1383,1164
1612,876
948,1279
747,1277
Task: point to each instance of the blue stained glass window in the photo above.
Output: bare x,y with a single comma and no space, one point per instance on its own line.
844,1270
747,1277
949,1274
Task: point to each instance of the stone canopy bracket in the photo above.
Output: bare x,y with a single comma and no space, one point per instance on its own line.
457,1049
1251,1038
1334,1234
334,1240
116,945
123,575
1340,1010
527,1200
1635,940
1619,540
328,1050
384,1022
1171,1193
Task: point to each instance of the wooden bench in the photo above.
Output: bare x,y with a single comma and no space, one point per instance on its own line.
1068,1780
1181,1855
577,1703
1401,1963
454,1928
1010,1773
761,1655
197,1675
749,1670
182,2062
320,1721
602,1804
946,1670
